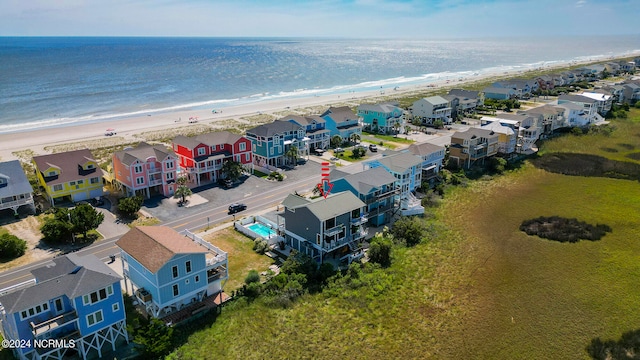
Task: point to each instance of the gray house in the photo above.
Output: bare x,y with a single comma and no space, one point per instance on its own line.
325,228
15,189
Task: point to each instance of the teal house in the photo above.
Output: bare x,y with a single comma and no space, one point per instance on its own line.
270,143
381,117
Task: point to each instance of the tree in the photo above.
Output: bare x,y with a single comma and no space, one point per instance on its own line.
438,124
231,170
84,218
497,164
155,338
354,138
181,193
292,154
11,246
410,230
130,206
407,129
335,141
380,251
252,277
358,152
56,231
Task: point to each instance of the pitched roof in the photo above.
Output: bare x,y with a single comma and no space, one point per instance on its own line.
340,114
462,93
370,179
497,90
17,182
424,148
334,205
473,133
209,139
400,162
142,152
276,127
154,246
384,108
499,128
303,120
71,275
69,163
436,100
576,98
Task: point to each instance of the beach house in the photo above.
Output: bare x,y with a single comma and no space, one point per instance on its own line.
145,169
315,130
407,169
325,228
507,137
75,302
375,187
384,117
431,109
473,145
271,142
71,175
168,271
342,121
464,102
432,156
15,190
498,93
201,157
589,105
549,116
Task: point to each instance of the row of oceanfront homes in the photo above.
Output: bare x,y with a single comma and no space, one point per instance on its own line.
78,302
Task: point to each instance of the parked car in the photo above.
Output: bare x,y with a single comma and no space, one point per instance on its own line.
225,183
373,148
236,207
338,150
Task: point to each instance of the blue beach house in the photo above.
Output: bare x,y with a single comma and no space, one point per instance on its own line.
270,143
315,129
76,303
375,188
169,271
381,117
342,121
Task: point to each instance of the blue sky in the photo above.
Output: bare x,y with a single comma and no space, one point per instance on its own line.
319,18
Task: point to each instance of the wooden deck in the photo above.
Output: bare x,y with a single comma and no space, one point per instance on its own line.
208,303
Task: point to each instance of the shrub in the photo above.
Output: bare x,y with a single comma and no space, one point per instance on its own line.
252,277
55,231
380,251
11,247
563,229
260,245
409,230
130,206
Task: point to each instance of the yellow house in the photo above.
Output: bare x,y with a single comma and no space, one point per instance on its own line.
73,175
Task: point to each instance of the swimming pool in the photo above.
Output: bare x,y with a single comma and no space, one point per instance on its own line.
262,230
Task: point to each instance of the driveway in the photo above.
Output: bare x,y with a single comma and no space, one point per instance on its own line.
166,209
111,226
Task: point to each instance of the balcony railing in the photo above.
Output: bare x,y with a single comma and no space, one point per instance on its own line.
53,323
153,182
359,220
216,274
19,202
334,230
154,170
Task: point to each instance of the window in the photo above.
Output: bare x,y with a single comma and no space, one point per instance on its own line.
243,146
115,307
96,296
187,266
90,166
51,173
175,290
95,180
174,270
186,282
271,151
330,223
139,180
72,183
58,304
80,182
170,165
94,318
170,176
34,311
201,151
246,157
57,187
137,169
197,278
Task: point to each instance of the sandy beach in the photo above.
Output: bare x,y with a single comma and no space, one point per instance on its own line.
126,129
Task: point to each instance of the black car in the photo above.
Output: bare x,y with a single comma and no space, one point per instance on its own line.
234,208
225,183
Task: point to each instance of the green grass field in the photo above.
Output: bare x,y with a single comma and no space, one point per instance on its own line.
477,288
242,258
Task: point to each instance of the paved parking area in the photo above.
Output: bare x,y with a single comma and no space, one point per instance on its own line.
166,209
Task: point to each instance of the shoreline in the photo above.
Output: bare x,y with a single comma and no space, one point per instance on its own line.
128,127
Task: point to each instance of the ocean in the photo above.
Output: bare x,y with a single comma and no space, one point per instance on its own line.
53,81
